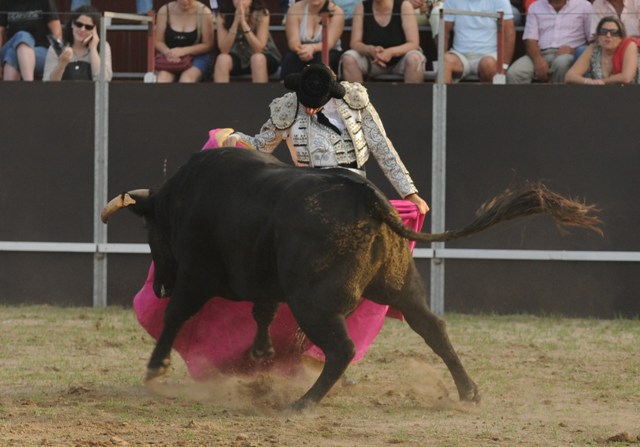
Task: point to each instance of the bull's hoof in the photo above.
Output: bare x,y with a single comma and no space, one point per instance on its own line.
301,405
471,395
154,373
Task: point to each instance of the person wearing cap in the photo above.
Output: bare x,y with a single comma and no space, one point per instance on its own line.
341,121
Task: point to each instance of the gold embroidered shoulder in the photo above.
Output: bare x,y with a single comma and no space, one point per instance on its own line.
356,95
283,110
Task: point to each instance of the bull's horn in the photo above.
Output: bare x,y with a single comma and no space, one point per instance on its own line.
121,201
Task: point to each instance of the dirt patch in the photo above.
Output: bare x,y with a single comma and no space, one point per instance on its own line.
71,377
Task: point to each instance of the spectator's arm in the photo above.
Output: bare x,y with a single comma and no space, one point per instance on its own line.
56,28
258,40
629,67
576,73
161,28
357,23
509,41
292,27
448,27
206,43
541,67
226,37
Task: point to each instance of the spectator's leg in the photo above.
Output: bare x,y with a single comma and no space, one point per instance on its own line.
259,72
487,69
414,67
11,73
521,71
559,67
26,61
191,76
19,57
41,57
291,63
452,65
351,70
165,77
222,68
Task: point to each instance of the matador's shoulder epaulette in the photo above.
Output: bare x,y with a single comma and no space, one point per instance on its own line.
283,110
356,97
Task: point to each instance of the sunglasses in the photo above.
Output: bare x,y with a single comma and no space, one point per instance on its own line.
611,32
85,25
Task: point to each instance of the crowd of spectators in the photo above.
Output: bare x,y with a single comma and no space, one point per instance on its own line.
205,40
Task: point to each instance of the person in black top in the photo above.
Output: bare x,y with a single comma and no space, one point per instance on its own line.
24,26
185,28
384,39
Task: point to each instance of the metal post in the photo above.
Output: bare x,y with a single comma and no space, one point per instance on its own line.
438,177
324,19
500,77
100,166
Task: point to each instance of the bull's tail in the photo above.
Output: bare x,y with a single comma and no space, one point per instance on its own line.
530,199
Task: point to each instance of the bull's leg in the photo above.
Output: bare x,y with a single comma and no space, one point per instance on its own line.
329,333
178,311
263,313
432,329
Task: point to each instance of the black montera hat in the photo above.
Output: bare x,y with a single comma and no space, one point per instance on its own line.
315,85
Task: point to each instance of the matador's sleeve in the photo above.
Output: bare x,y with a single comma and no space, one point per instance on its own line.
384,152
283,113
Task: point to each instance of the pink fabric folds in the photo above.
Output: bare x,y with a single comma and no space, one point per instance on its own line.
219,336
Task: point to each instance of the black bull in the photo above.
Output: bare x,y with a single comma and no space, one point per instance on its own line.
243,225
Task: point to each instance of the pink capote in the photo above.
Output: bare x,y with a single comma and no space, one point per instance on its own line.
219,336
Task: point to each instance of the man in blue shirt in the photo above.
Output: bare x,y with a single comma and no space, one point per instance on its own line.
475,43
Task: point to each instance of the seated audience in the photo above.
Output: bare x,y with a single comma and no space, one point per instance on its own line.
627,11
245,43
184,31
611,59
79,59
554,31
304,35
384,39
24,26
475,41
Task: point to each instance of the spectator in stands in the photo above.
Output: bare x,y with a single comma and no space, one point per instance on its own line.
611,59
384,39
185,28
554,31
304,35
475,41
245,43
24,26
142,6
627,11
79,58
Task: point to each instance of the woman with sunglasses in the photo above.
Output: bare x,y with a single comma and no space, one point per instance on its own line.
77,57
611,59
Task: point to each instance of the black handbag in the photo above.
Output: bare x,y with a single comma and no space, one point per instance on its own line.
77,71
